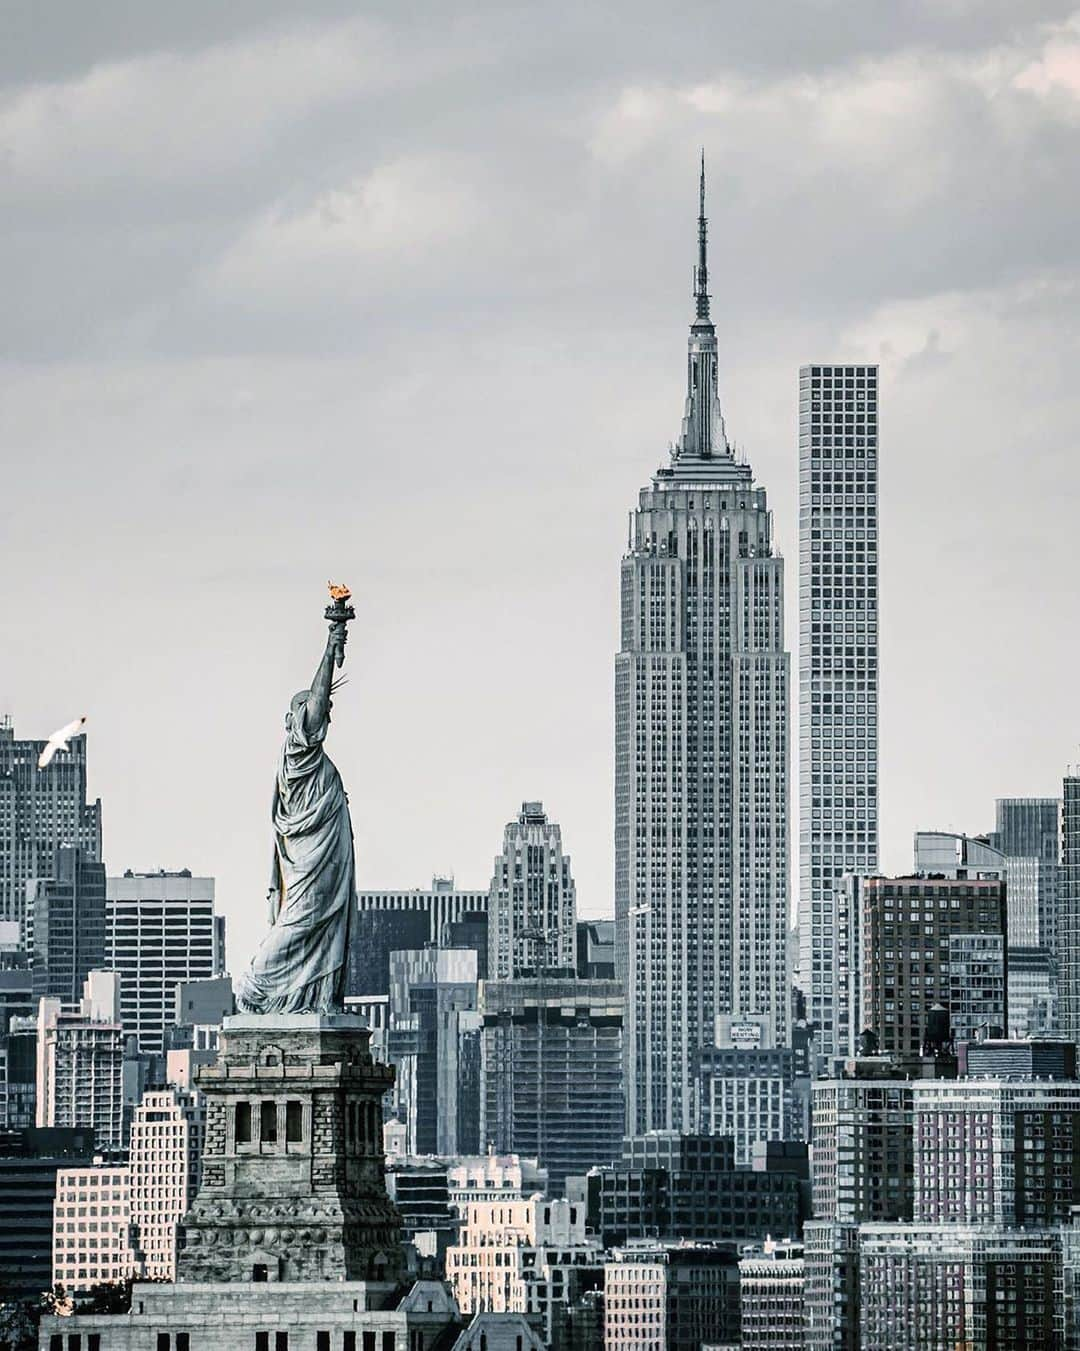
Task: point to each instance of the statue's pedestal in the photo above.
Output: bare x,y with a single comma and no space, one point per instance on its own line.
293,1182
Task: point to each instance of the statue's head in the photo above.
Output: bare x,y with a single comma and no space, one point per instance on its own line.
296,706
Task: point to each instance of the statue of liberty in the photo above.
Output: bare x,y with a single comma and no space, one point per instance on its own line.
300,965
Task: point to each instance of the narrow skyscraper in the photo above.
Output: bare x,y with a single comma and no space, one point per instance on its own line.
701,747
838,667
1068,925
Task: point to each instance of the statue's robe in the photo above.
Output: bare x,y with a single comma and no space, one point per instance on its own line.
300,965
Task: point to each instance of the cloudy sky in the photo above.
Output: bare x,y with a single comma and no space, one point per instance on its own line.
398,295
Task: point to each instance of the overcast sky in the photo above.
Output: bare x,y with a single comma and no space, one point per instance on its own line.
398,295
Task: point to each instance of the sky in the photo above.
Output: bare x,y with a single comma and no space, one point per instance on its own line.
398,296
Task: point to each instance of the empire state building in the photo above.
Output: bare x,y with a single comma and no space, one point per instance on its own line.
701,755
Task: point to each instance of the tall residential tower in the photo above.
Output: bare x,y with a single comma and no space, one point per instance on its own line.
701,753
838,668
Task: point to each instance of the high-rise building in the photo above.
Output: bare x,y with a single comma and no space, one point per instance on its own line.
863,1165
1068,927
679,1296
771,1294
863,1171
838,667
433,1040
831,1285
400,921
532,911
1028,833
516,1256
91,1224
162,930
701,754
41,810
912,929
996,1151
959,1286
67,910
551,1071
80,1063
167,1133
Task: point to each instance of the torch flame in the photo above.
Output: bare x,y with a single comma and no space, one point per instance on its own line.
338,592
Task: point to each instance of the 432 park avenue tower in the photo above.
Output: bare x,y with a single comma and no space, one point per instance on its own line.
701,754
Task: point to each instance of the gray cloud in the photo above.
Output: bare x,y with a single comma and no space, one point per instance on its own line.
293,291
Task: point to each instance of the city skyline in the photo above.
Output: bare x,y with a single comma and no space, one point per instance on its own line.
204,348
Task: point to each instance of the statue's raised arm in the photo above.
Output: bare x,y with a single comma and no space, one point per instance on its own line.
300,965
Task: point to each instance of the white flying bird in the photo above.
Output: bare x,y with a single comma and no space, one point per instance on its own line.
59,741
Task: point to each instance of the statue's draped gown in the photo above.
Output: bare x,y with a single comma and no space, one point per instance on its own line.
300,965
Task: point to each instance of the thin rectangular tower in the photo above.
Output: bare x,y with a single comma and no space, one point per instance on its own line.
838,670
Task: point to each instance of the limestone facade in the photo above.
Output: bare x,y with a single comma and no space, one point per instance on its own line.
292,1184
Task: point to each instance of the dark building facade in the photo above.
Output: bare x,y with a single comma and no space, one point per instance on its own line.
29,1162
400,921
373,936
551,1068
68,925
596,949
688,1188
914,929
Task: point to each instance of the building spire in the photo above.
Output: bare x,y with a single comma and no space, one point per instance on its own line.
703,435
701,272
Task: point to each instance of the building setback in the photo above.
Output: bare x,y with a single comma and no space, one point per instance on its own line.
167,1133
532,909
838,668
41,810
701,754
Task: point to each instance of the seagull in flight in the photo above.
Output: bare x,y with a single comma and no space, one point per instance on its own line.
59,741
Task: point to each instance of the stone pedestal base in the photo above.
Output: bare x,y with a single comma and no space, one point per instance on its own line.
292,1184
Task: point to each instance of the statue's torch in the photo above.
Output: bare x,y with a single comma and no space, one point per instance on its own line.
339,612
